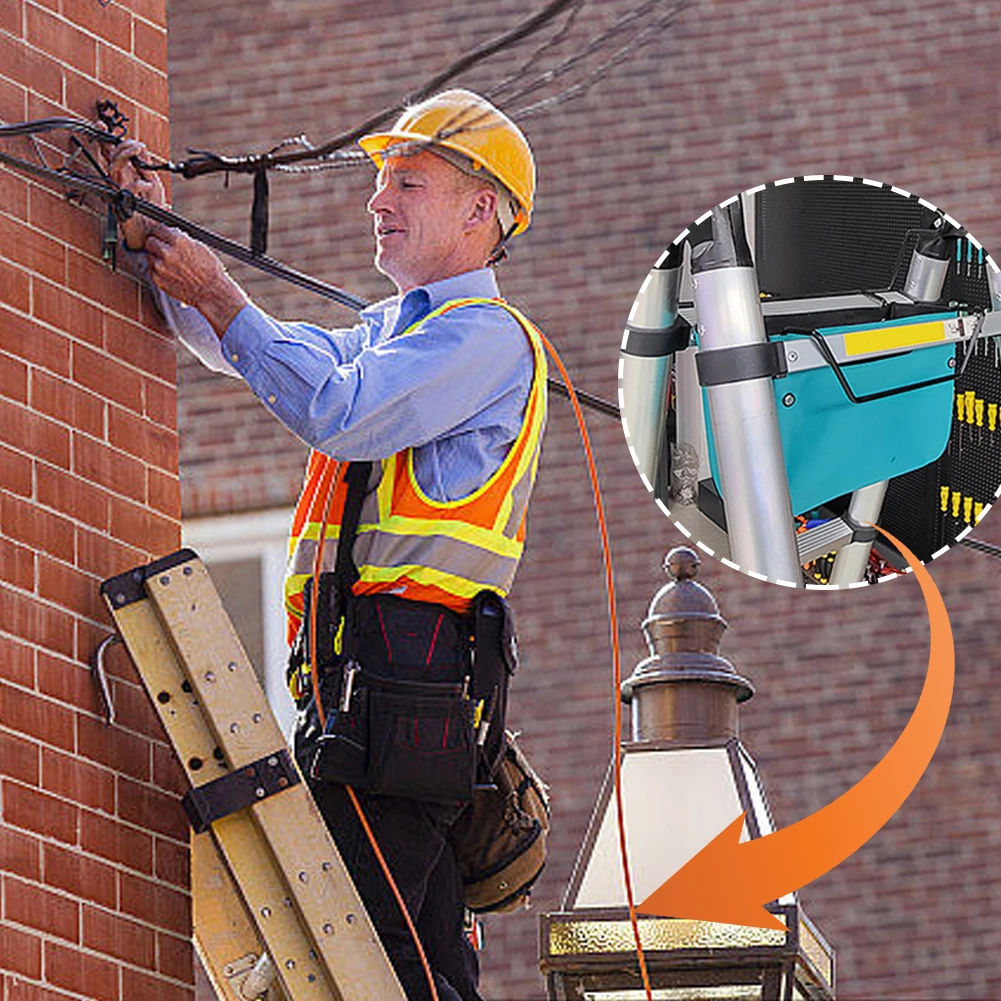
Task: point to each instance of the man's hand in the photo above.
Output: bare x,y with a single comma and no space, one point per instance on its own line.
143,183
187,270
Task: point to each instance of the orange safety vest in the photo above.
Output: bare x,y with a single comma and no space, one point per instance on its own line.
411,545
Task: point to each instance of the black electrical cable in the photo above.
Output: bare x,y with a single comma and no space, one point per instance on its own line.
125,203
981,547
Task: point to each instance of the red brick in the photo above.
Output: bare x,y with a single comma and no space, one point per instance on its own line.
137,346
143,439
163,493
70,588
14,287
17,563
175,957
151,810
103,556
93,279
80,876
20,758
36,622
84,974
21,952
160,403
77,781
107,377
102,464
60,39
12,18
151,45
40,718
36,527
173,863
116,936
113,747
140,985
16,473
151,10
17,662
37,908
34,343
21,990
31,810
154,131
128,76
33,434
13,108
13,379
59,398
135,712
21,853
21,63
72,496
116,842
156,905
68,681
57,307
110,22
141,527
35,251
167,772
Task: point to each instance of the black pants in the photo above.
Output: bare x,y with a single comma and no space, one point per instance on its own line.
413,839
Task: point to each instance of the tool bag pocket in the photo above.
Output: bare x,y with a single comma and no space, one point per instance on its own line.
401,739
422,746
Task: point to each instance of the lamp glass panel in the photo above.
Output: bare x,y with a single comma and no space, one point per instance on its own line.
675,803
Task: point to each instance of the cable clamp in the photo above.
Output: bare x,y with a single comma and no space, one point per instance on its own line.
860,532
656,342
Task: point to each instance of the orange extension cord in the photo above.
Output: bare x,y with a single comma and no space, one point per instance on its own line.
613,624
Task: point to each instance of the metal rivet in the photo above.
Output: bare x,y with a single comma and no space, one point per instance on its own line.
326,867
163,697
265,912
311,978
119,598
350,919
788,400
289,964
303,877
952,363
195,764
210,676
187,571
272,761
259,792
232,665
257,717
234,727
328,929
793,356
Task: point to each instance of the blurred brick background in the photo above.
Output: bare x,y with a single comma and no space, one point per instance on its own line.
93,845
739,92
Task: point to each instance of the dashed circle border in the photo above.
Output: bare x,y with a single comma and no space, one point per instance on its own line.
621,396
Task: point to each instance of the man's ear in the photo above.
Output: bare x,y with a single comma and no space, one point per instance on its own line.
483,208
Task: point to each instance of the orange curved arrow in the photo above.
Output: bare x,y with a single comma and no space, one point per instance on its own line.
730,882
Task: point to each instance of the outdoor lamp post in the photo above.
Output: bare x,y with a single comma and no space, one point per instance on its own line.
685,777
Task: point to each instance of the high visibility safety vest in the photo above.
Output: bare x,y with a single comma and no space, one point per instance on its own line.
409,544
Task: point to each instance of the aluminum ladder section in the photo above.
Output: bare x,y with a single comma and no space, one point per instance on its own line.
276,915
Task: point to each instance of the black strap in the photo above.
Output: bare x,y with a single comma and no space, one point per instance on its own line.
345,571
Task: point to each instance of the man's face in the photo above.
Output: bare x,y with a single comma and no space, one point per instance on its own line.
421,213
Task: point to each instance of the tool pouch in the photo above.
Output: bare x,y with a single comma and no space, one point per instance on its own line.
400,722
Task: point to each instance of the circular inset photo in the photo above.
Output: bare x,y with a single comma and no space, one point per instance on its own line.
808,359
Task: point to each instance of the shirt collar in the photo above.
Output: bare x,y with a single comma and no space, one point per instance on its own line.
419,301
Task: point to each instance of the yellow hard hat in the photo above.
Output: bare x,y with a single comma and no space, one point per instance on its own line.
466,123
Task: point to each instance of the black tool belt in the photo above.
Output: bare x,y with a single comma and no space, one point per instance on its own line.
414,695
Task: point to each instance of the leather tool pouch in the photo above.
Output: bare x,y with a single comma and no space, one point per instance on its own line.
399,716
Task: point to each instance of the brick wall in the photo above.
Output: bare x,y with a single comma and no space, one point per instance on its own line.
743,91
93,848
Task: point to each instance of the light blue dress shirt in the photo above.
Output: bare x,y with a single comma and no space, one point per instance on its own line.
454,390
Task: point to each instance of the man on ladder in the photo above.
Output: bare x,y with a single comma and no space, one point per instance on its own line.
426,420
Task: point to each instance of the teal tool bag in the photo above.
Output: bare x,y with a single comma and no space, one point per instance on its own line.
833,446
